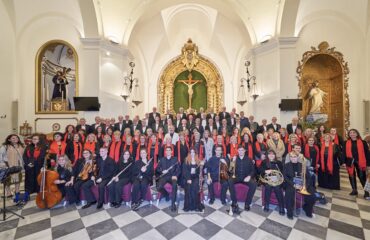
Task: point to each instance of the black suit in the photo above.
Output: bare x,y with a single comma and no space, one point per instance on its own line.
155,127
224,115
166,164
87,128
152,118
262,129
94,126
278,126
135,127
289,127
107,169
209,129
127,124
119,127
210,116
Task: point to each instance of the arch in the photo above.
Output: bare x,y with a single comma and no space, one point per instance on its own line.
287,18
214,83
89,18
327,67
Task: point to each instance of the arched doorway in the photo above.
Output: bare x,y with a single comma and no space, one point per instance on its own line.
327,68
173,83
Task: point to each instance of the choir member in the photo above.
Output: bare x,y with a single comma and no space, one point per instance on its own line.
320,133
140,145
243,172
277,145
82,172
219,143
312,153
153,149
168,170
248,146
192,169
91,144
208,145
293,140
57,147
198,145
292,170
74,148
283,135
330,161
337,139
213,169
268,164
182,148
260,149
129,146
116,147
357,159
64,169
106,170
99,135
33,159
125,165
70,130
142,173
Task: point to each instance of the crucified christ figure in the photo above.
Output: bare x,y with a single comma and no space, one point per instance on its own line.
190,83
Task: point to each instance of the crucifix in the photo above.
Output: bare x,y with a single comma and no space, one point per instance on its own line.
190,83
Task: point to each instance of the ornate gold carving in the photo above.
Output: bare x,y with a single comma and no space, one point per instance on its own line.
213,78
338,97
190,57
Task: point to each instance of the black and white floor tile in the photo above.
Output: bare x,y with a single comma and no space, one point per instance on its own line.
343,217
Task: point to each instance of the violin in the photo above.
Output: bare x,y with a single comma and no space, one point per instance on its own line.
224,171
49,194
86,170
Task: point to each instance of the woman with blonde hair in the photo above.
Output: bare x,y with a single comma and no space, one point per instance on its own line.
64,169
276,144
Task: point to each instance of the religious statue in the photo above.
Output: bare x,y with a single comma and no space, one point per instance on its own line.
60,84
190,56
316,97
190,83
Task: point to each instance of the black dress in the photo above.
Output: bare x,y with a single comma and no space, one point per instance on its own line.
33,158
192,195
325,179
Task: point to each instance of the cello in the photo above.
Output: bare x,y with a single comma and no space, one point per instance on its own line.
49,194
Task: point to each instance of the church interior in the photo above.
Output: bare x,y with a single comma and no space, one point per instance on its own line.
229,63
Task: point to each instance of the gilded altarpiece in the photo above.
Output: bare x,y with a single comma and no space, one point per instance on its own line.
190,62
325,67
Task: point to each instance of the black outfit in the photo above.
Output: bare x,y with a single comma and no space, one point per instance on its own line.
192,200
152,116
64,174
73,192
106,170
289,128
165,164
213,168
141,180
325,179
273,165
33,162
292,170
243,168
86,127
115,188
276,127
353,166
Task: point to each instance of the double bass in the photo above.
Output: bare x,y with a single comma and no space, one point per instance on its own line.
49,194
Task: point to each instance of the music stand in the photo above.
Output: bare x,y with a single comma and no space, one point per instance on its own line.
4,174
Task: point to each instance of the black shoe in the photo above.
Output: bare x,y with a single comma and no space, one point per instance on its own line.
211,201
113,204
282,211
88,205
223,203
290,217
117,205
354,193
247,207
173,208
266,209
100,205
366,195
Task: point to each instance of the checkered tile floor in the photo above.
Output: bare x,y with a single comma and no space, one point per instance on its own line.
344,217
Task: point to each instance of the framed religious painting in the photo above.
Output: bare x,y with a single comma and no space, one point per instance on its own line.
56,78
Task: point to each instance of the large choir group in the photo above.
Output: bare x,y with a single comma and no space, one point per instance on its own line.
188,151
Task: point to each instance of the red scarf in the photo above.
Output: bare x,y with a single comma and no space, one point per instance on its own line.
77,151
336,139
155,152
114,150
130,149
289,147
308,155
250,137
138,152
179,151
66,136
160,136
226,140
238,138
258,146
214,138
285,139
233,150
58,149
90,146
361,155
329,162
201,154
250,150
36,152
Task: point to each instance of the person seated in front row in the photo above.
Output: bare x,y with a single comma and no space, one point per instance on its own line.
214,166
106,170
294,182
242,172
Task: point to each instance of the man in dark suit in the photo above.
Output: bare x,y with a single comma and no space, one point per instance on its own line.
182,113
201,111
157,124
135,126
234,111
98,122
144,126
127,122
152,116
217,122
291,127
274,125
211,125
232,121
119,126
198,126
263,127
177,122
244,121
82,125
168,115
211,114
223,114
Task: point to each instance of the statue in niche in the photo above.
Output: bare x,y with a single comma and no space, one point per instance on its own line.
316,97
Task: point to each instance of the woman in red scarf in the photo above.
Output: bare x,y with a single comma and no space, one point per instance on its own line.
141,145
182,148
312,152
330,161
91,144
116,148
129,145
338,140
232,149
99,135
357,159
74,149
68,134
219,143
57,148
153,149
260,149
